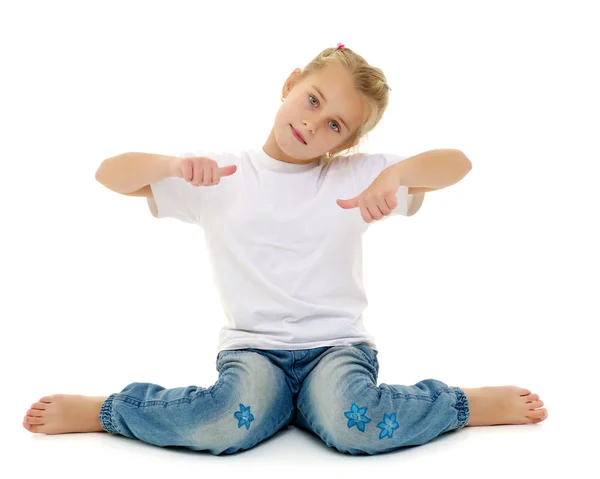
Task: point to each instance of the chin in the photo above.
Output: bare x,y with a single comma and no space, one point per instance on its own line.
291,147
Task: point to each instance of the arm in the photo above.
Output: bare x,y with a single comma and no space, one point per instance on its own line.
130,173
414,190
414,203
432,170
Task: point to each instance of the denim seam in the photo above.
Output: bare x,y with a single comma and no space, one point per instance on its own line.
292,369
215,387
396,395
157,402
426,398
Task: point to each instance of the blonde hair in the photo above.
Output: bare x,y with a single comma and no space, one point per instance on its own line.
369,83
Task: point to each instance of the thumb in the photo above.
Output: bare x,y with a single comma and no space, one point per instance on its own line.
347,204
227,170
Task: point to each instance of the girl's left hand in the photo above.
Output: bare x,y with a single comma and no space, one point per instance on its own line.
378,200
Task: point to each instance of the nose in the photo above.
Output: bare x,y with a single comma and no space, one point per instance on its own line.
309,126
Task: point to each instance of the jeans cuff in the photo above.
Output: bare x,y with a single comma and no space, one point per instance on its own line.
105,415
462,406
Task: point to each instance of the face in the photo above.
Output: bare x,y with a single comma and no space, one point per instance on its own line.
324,108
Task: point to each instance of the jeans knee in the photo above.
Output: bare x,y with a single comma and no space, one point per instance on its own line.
357,425
239,428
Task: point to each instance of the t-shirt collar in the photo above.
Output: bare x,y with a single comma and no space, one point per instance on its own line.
277,165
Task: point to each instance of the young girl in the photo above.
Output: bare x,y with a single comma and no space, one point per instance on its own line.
284,232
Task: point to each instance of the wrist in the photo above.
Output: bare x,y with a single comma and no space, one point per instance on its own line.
173,164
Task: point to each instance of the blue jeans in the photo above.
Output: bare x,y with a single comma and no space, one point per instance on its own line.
329,391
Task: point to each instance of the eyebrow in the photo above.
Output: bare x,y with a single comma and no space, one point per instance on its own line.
323,96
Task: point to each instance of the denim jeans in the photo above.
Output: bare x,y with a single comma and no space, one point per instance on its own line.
329,391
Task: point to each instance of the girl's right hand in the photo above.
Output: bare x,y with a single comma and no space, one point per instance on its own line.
202,171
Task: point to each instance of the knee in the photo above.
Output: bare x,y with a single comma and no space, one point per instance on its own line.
238,428
243,414
354,430
235,431
357,425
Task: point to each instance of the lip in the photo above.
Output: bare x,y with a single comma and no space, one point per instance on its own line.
298,136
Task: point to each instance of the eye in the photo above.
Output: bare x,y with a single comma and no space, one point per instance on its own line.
311,97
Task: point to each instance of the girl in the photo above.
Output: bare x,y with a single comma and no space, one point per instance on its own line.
286,256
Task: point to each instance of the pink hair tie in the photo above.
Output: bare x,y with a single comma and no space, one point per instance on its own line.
339,46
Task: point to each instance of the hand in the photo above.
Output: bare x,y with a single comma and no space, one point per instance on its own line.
202,171
378,200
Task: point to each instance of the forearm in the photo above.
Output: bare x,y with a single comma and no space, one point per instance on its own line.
129,172
434,169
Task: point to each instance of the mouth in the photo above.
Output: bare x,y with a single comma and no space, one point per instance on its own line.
298,136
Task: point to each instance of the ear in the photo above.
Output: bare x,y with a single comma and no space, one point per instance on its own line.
290,82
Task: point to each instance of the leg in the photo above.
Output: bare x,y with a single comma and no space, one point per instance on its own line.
249,403
341,403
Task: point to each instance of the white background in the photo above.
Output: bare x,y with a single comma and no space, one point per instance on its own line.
493,282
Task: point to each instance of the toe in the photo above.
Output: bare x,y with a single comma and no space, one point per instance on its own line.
538,415
531,398
38,429
535,404
46,399
34,421
35,412
39,405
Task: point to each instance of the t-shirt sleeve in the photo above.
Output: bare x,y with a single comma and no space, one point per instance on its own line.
368,167
177,198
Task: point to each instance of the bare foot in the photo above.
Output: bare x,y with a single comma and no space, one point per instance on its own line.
497,405
62,413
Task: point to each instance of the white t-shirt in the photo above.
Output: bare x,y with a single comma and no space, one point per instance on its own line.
286,258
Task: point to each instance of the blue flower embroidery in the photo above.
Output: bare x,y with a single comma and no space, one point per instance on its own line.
388,425
356,417
244,417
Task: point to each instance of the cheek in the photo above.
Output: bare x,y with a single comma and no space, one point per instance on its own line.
287,107
283,114
286,114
